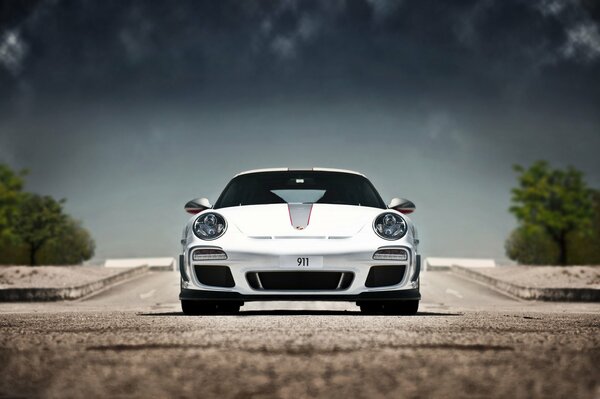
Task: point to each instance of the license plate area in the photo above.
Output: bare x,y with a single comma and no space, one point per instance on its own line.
301,262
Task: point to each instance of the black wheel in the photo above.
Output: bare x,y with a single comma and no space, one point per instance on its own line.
371,307
402,308
228,307
196,308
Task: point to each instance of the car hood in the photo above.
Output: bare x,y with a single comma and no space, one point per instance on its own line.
299,221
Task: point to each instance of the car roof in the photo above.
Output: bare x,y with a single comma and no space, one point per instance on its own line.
267,170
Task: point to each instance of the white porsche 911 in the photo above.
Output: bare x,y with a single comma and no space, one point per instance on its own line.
285,234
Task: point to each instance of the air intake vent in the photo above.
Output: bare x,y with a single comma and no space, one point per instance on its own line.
381,276
218,276
300,281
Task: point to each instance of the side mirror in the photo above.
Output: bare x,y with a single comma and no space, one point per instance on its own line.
197,205
402,205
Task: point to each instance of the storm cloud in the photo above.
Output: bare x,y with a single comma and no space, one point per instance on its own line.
129,109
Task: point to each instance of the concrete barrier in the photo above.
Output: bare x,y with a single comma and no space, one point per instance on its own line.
443,264
155,264
66,293
535,293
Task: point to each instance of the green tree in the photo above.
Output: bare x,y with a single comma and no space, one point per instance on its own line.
39,219
35,230
584,248
531,246
11,184
72,245
557,202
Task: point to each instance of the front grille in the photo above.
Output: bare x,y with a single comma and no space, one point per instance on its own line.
218,276
381,276
300,281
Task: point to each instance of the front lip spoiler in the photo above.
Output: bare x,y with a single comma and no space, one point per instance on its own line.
200,295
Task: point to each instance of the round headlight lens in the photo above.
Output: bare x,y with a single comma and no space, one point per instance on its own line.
390,226
209,226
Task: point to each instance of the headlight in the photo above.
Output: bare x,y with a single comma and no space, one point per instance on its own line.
209,226
390,226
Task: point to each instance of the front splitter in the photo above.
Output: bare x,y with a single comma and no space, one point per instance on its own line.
200,295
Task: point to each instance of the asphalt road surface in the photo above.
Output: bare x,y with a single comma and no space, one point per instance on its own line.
132,341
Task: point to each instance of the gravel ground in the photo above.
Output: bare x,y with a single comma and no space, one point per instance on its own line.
299,355
132,341
51,276
547,276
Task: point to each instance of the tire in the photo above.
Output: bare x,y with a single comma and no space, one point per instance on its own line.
197,308
228,307
371,307
401,308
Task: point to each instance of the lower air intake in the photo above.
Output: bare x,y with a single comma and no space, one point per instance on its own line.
381,276
218,276
300,281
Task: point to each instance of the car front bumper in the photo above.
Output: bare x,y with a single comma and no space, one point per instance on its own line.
347,257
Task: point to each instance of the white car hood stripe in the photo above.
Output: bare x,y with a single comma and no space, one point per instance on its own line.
300,215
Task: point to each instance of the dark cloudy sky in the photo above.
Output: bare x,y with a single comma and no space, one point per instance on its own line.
130,108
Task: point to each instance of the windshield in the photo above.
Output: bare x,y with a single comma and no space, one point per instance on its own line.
306,187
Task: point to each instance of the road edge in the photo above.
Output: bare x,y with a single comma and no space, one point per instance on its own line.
67,293
531,293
